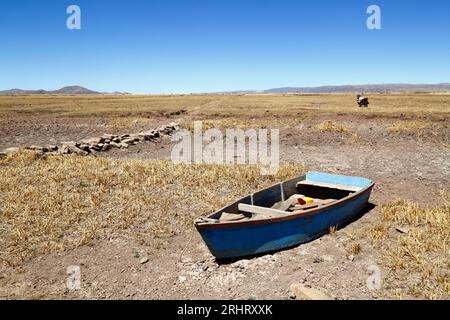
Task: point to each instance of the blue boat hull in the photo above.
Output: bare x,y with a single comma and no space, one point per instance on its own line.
256,237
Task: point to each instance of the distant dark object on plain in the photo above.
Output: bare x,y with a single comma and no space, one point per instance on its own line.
362,101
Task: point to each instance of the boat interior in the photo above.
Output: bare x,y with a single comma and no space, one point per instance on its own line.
302,194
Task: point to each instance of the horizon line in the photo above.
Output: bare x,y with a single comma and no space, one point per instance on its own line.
237,90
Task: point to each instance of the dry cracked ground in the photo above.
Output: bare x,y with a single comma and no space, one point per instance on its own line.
124,217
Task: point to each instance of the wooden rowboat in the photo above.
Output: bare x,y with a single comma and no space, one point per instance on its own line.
260,223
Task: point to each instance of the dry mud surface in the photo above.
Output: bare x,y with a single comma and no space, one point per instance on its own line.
404,166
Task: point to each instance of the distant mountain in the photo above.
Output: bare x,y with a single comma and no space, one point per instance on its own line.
365,88
117,92
20,91
238,92
74,90
65,90
370,88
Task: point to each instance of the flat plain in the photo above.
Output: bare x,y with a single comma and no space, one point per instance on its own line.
125,216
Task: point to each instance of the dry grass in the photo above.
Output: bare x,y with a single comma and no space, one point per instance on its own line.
409,126
330,126
127,123
221,105
418,260
355,138
354,248
54,203
246,123
332,230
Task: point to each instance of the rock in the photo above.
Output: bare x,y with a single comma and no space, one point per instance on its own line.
146,133
317,260
296,291
11,150
169,129
64,149
182,279
84,147
402,229
143,260
51,148
129,141
108,136
92,141
35,148
78,151
166,130
151,138
94,148
149,135
351,257
69,143
2,154
103,143
71,147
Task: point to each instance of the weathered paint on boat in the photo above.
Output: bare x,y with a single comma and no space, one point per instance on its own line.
252,237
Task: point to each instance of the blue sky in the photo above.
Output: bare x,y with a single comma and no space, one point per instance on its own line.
170,46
